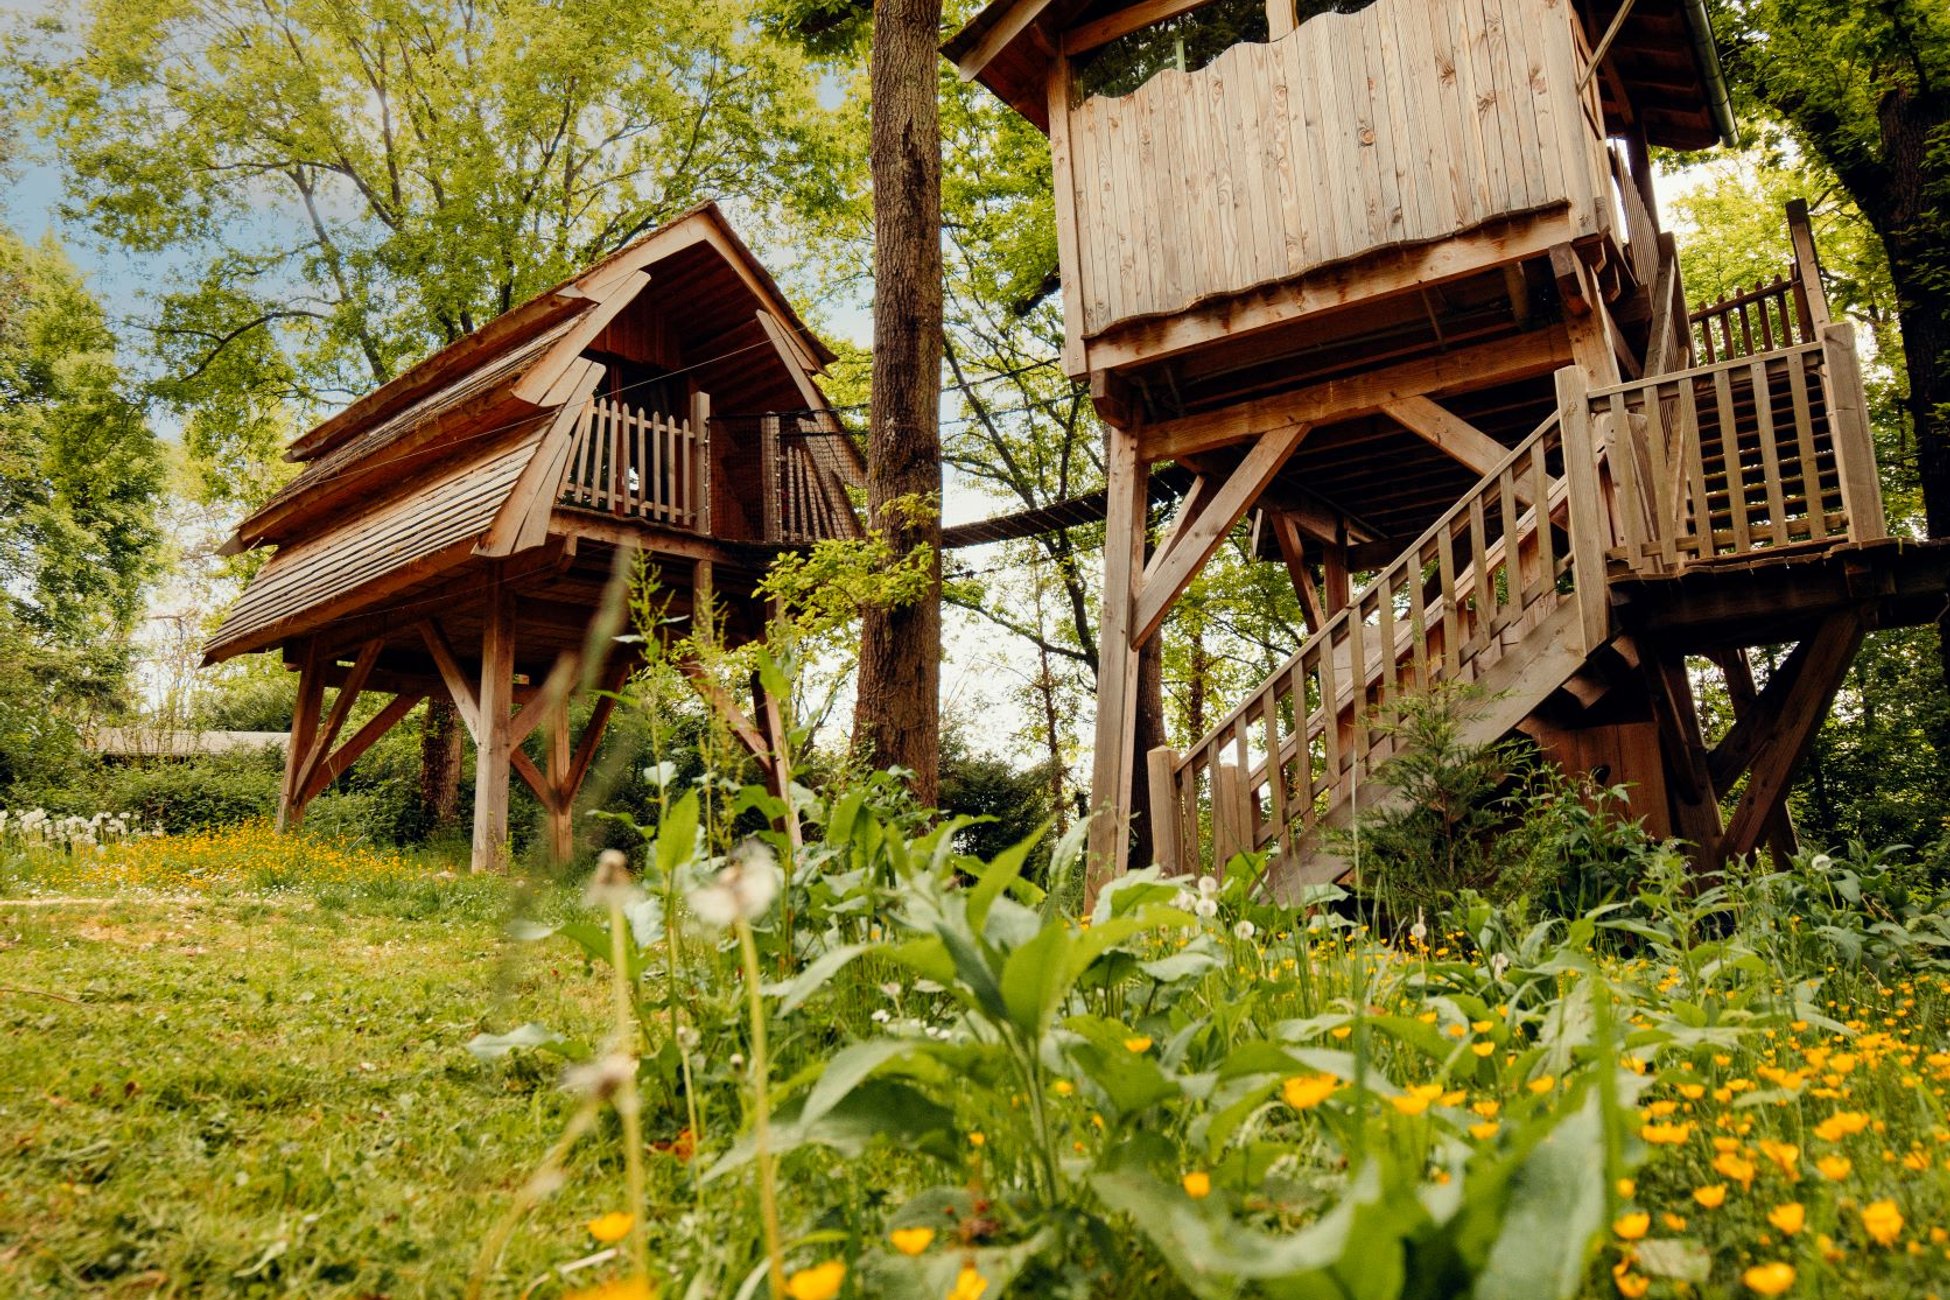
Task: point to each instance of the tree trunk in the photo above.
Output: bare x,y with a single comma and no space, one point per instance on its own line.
440,764
897,717
1150,735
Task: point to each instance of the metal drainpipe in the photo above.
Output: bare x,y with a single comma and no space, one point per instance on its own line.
1706,53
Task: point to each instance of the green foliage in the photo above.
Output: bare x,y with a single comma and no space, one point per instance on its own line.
352,185
1497,819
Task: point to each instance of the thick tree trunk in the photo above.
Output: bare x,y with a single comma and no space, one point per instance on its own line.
440,764
1150,735
897,717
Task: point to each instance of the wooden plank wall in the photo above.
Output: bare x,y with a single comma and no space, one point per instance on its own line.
1409,121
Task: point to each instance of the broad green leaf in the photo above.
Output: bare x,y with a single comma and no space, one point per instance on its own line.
677,834
815,976
1556,1211
1033,980
1002,871
847,1070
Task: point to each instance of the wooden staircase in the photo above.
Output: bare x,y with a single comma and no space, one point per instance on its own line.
1762,452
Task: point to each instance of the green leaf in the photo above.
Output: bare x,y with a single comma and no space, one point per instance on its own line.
847,1070
677,835
1002,870
1033,978
815,976
1556,1210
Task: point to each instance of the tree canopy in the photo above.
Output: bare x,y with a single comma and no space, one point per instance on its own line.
351,185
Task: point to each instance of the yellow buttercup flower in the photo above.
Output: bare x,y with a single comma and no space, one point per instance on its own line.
1542,1083
1198,1184
1306,1092
1834,1168
1882,1221
1738,1168
1630,1227
977,1139
1484,1131
612,1227
1712,1196
1483,1047
1666,1134
1630,1285
1063,1087
1783,1154
1692,1091
1843,1123
1627,1188
820,1282
969,1284
1769,1279
1409,1104
1142,1043
1788,1219
911,1241
619,1288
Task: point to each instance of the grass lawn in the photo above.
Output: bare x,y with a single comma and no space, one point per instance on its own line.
215,1091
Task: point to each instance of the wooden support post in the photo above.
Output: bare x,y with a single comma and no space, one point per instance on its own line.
1588,526
1695,804
1855,454
768,476
701,462
1745,698
1807,270
1802,704
1293,553
321,745
1117,665
1167,836
304,729
491,747
347,754
561,827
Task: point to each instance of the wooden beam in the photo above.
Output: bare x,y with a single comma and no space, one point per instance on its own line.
458,688
1364,280
363,739
1803,704
1191,549
1745,698
304,725
492,752
1695,805
1455,437
348,695
539,386
727,709
1197,497
555,688
1293,552
1526,356
524,767
1117,663
522,521
592,731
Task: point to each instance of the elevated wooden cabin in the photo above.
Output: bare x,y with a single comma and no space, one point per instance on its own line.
1387,276
452,532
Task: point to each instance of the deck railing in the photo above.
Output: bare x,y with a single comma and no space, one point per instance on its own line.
1738,457
1509,562
804,497
1790,309
1746,454
640,464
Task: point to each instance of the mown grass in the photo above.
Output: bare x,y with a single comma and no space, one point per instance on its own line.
260,1086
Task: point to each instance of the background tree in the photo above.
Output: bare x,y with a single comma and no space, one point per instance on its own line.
79,471
1864,86
348,186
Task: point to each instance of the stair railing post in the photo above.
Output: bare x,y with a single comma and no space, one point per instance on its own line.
1848,423
1167,836
1811,301
1585,504
701,461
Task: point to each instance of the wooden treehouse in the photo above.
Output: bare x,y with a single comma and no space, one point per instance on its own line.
1388,277
453,532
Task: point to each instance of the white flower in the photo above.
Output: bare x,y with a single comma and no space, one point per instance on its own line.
1184,900
600,1078
1206,908
1419,931
881,1016
1498,964
612,883
745,887
1244,930
688,1038
1208,886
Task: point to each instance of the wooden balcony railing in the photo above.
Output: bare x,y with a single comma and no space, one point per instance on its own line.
643,465
1509,565
805,499
1791,309
1508,590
